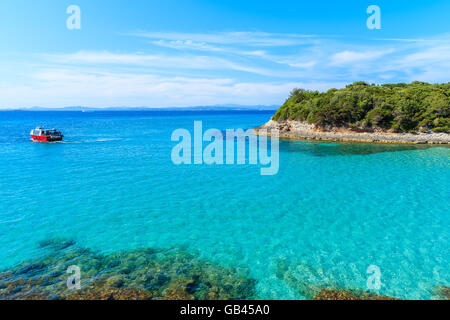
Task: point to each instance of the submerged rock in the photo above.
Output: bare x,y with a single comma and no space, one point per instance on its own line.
59,244
95,293
317,284
178,290
138,274
304,279
443,292
346,294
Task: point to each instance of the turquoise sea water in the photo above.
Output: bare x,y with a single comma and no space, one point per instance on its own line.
331,211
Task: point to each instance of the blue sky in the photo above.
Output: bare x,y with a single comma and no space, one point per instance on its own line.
186,53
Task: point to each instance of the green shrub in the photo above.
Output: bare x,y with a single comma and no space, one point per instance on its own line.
401,107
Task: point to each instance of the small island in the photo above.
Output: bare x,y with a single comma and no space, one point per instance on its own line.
389,113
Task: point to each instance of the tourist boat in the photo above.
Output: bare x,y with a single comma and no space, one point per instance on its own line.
45,135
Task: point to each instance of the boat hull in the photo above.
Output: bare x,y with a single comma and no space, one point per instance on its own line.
45,138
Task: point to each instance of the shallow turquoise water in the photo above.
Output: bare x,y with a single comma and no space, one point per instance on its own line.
331,211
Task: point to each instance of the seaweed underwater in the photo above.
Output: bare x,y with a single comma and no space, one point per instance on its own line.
142,274
318,284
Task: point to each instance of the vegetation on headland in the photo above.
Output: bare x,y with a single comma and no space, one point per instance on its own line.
401,107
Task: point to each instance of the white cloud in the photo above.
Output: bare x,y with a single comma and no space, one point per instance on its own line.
187,45
231,38
347,57
61,87
240,67
439,54
307,64
175,63
431,64
199,62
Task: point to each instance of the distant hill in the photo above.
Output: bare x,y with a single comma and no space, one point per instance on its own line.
400,107
194,108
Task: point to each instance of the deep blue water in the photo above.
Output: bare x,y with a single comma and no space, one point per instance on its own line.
331,211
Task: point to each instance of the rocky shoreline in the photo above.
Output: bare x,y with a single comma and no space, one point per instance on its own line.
291,129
